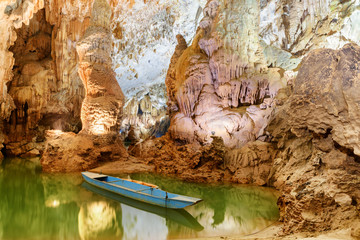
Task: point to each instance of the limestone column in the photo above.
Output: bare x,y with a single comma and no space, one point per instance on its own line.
102,107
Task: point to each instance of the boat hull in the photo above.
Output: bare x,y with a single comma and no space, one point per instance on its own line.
140,196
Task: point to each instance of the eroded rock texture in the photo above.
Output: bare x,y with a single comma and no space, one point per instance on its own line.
102,107
310,153
212,82
42,101
313,152
40,85
315,132
145,115
144,38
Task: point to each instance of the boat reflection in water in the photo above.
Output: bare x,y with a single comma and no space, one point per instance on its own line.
179,216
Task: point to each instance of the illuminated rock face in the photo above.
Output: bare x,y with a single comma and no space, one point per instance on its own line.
40,76
211,83
318,164
144,38
287,30
102,107
226,68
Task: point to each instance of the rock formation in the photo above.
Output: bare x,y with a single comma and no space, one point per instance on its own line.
317,167
36,91
144,38
145,115
101,111
102,107
287,30
312,157
310,154
212,82
40,86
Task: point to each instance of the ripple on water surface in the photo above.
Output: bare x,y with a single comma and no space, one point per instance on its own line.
60,206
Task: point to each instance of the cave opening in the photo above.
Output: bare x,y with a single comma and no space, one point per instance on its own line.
39,97
33,64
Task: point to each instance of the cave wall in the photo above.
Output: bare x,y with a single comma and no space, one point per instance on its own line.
278,34
32,83
216,85
243,53
144,38
48,87
316,133
288,31
130,47
12,14
101,111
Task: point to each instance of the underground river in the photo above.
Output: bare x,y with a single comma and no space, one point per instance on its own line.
61,206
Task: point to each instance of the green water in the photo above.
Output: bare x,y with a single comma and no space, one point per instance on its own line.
34,205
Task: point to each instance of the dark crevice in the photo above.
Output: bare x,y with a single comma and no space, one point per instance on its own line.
323,135
3,151
347,151
354,201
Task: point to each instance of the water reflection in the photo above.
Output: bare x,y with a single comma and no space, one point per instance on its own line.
143,225
226,210
57,206
22,206
99,219
180,216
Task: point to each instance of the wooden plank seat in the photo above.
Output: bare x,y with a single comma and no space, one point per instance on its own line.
115,181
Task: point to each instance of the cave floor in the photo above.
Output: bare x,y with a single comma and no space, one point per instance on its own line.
128,166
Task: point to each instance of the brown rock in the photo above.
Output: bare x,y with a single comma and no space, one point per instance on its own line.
355,230
318,168
331,98
343,199
251,164
70,152
99,140
335,159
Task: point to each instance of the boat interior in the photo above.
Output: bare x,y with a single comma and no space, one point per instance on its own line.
136,187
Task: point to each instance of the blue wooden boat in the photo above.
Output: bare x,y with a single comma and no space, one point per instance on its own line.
140,191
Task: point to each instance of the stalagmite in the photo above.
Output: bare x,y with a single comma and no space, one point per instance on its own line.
102,107
101,111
